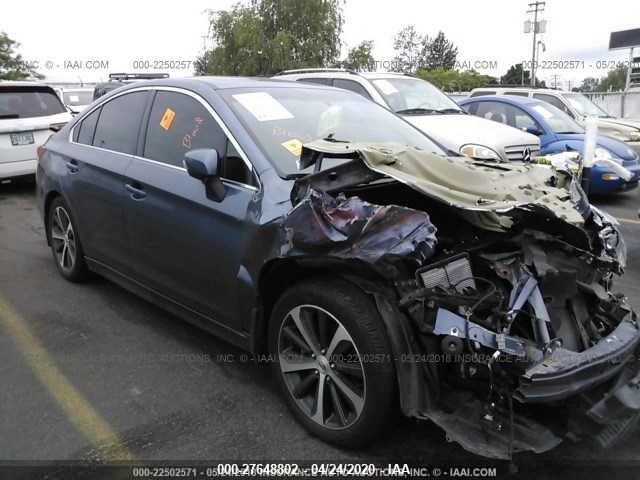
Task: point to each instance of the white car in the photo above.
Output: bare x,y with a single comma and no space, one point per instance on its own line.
28,113
430,110
77,99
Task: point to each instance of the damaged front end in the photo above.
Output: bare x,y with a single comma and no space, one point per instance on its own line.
495,285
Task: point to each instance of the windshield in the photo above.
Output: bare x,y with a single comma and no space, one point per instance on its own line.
282,119
409,96
28,102
76,98
558,121
584,106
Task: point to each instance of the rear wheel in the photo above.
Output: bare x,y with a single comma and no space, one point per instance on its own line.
333,361
65,243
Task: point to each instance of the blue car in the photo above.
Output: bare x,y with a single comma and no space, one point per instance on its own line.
558,133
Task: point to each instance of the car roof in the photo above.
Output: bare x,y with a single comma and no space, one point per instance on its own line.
221,83
339,73
515,99
519,89
23,83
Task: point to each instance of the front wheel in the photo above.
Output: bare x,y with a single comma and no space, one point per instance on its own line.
333,361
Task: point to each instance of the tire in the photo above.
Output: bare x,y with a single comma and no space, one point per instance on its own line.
361,362
65,243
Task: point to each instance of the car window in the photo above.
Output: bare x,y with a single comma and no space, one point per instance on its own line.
119,123
491,111
179,123
234,168
555,101
406,95
505,113
77,97
28,102
87,128
351,85
584,106
319,80
556,119
482,92
518,94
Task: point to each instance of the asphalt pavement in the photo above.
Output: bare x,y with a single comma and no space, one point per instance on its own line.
91,371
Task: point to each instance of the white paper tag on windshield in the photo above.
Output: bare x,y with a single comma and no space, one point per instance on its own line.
543,111
386,86
263,106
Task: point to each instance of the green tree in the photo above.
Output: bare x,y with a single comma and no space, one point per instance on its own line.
12,66
360,58
439,53
589,84
615,80
409,47
514,76
263,37
454,81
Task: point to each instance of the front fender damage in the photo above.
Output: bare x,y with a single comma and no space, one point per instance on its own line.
478,317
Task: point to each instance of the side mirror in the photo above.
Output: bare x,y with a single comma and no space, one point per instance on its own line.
532,129
202,164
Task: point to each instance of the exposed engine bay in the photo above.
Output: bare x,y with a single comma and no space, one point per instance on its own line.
512,336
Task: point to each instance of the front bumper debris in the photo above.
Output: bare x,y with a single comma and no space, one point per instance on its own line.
565,373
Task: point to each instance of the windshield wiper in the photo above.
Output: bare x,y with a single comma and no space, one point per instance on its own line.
10,115
417,111
568,133
451,110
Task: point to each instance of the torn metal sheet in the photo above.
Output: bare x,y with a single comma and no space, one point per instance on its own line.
350,228
489,190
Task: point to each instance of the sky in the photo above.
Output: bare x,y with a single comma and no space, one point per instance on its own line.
76,41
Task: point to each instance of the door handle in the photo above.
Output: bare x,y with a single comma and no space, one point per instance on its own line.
136,191
72,166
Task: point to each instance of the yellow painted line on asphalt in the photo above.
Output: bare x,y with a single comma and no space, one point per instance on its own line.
629,220
79,411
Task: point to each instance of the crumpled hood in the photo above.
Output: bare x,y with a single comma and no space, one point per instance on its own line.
454,131
490,191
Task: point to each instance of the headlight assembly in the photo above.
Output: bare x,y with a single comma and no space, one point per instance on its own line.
479,152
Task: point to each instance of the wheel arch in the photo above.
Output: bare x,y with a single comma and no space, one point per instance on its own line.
279,274
48,200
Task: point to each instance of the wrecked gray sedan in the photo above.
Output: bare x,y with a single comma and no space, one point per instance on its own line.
378,272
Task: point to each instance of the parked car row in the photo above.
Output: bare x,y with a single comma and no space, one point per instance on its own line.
514,137
429,109
558,132
381,268
579,108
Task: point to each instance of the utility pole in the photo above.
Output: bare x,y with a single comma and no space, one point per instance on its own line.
537,27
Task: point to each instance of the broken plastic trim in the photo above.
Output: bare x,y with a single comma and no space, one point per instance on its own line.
564,373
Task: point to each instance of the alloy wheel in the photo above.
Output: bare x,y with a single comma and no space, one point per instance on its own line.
322,367
63,238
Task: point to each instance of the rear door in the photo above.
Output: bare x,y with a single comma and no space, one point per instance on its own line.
185,245
104,144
